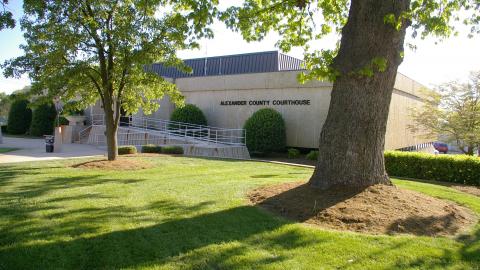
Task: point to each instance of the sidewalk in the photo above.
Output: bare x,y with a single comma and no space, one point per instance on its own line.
34,150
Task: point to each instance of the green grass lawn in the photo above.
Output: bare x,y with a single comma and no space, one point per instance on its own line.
188,213
6,149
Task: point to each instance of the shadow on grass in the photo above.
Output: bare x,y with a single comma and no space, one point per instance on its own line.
39,188
9,172
150,245
264,176
304,202
469,252
422,226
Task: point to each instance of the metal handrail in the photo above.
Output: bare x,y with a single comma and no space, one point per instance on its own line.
179,129
82,133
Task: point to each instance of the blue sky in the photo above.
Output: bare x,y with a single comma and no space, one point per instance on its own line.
430,64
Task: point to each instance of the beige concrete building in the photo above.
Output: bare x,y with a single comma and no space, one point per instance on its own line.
228,100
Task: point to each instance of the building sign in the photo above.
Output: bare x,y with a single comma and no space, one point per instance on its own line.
300,102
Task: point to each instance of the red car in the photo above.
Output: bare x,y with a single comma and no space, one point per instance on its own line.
441,147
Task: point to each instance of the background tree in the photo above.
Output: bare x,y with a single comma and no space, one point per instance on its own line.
19,117
6,16
99,49
43,119
5,102
454,111
363,67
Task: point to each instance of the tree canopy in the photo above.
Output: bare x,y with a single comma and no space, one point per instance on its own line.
300,23
6,16
99,50
453,110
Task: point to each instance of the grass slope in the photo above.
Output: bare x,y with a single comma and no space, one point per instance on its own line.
190,213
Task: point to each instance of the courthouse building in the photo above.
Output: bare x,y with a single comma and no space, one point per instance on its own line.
229,89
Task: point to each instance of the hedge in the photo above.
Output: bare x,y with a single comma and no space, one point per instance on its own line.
293,153
127,149
459,169
151,148
189,114
172,149
265,131
43,120
312,155
19,117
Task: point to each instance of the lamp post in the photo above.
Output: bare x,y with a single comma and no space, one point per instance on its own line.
58,139
58,107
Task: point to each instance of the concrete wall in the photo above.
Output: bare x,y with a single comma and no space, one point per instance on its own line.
303,122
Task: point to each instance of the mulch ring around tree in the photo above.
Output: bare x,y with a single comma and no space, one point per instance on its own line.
379,209
120,164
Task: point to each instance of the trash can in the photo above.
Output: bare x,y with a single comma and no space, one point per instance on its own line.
49,140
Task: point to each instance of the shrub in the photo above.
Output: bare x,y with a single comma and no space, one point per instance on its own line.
293,153
265,131
43,120
62,121
151,148
19,117
313,155
460,169
172,149
189,114
127,149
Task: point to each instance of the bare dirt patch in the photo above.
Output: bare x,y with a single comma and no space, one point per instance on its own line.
379,209
121,164
468,189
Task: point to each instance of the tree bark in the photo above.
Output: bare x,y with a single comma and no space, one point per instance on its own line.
111,127
353,137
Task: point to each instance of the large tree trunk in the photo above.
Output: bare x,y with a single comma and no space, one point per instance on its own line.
353,137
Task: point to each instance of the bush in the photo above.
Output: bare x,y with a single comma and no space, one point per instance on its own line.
189,114
293,153
19,117
151,148
313,155
265,131
43,120
127,149
460,169
62,121
172,149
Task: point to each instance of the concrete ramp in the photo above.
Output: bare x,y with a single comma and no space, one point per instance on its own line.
196,140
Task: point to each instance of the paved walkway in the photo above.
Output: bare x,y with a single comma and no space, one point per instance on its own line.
34,149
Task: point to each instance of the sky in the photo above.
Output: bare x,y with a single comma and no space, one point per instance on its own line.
432,63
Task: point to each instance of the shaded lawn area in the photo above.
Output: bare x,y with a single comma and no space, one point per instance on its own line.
6,149
188,213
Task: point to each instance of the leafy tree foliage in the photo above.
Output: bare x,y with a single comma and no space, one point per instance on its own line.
453,110
363,66
301,22
19,117
189,114
43,120
6,17
5,103
265,132
97,50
